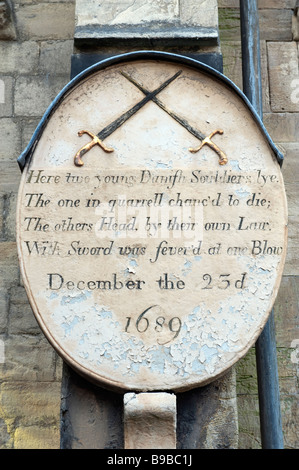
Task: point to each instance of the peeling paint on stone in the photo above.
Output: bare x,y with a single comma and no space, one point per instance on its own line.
158,270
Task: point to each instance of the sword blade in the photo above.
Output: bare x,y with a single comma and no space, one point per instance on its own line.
156,100
108,130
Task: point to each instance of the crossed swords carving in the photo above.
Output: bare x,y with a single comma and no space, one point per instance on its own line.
149,96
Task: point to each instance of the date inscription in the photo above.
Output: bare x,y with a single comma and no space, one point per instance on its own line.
158,324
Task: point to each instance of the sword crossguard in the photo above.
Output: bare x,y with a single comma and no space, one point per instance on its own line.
207,141
95,141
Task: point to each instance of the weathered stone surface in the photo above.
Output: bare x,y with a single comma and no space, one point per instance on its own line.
9,177
283,76
156,20
229,25
6,95
55,57
7,27
37,425
45,20
19,57
286,322
9,270
9,216
28,357
295,23
283,127
28,126
275,25
10,137
32,359
249,422
207,417
39,401
21,318
4,299
150,421
36,437
232,67
33,95
290,174
91,418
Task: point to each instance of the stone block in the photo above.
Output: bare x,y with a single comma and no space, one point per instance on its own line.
232,67
38,404
9,266
20,57
3,310
36,437
29,358
45,20
6,96
249,422
295,23
232,61
229,25
201,13
290,175
5,438
275,25
167,20
9,176
91,417
290,163
21,318
290,412
9,229
292,258
207,417
246,374
28,127
282,127
288,373
10,138
283,76
55,57
2,216
150,421
7,26
33,95
8,217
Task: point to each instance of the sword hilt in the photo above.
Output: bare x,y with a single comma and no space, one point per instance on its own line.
207,141
95,141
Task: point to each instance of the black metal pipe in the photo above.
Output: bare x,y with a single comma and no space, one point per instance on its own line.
266,355
251,55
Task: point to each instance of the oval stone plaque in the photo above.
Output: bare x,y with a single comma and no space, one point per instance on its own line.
152,223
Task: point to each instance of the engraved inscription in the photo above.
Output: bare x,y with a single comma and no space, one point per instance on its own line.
153,266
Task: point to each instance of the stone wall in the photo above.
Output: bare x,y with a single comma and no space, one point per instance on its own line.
280,74
36,42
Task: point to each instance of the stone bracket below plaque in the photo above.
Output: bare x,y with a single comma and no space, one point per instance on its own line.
150,421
